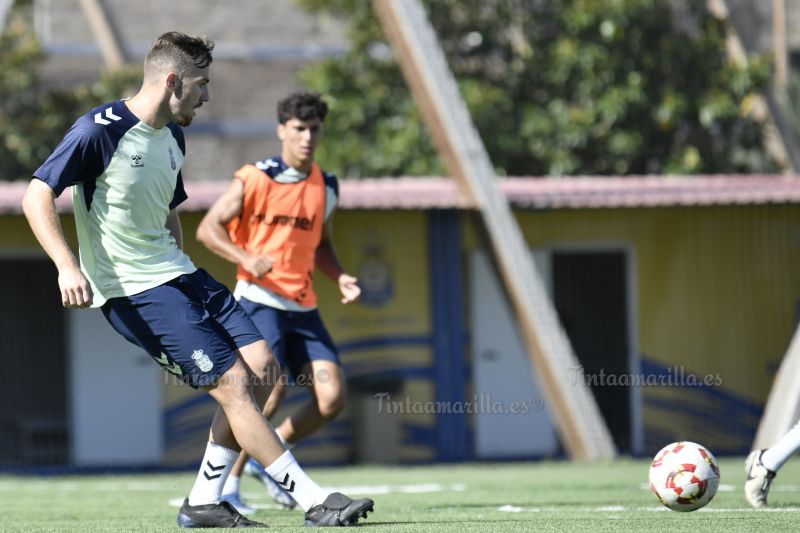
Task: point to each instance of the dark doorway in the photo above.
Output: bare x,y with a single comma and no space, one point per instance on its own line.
590,296
33,397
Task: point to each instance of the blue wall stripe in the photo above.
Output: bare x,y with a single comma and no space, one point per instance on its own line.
179,424
731,401
382,342
417,435
447,293
710,406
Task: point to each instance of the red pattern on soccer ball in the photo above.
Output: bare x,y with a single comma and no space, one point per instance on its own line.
708,460
681,486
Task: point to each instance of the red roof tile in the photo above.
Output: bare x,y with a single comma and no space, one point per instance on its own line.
650,191
11,193
526,193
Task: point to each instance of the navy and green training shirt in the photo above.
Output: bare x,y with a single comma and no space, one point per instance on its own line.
125,178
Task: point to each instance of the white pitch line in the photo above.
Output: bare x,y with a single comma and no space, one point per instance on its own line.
723,487
72,486
357,490
785,488
750,510
622,508
388,489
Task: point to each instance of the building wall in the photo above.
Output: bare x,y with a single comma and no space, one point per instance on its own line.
716,294
717,290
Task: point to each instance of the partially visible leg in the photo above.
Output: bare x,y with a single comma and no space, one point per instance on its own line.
758,480
313,358
280,464
242,422
222,448
270,323
322,509
275,397
231,490
238,393
327,389
776,455
328,398
762,466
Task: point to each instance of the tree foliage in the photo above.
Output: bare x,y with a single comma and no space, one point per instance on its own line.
555,87
34,117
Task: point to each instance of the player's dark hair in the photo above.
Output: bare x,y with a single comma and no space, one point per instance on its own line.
178,51
302,105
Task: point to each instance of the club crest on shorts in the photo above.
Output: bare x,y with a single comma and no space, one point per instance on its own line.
202,361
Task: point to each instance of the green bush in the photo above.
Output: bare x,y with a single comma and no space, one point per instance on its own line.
555,87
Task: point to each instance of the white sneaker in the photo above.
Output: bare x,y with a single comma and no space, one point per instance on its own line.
236,500
759,478
276,492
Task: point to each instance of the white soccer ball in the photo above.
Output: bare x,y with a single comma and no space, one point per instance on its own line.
684,476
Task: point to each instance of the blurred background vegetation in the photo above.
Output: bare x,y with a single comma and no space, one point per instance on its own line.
33,117
555,87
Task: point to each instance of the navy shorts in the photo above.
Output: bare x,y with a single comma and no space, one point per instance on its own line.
191,325
295,337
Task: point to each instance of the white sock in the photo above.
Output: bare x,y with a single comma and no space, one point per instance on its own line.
779,453
231,485
291,477
214,470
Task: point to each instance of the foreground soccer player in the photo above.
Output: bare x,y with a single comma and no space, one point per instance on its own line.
124,161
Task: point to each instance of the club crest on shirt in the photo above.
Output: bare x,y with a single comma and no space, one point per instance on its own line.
171,159
202,361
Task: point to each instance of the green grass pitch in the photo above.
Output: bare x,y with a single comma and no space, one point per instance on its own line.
534,496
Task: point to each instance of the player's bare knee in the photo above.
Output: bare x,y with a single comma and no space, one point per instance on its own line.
232,386
330,406
262,364
331,410
265,368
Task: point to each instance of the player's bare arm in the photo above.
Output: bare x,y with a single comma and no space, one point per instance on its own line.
213,232
40,210
174,226
328,263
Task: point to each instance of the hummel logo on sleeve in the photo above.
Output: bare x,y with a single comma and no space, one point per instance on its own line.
98,118
164,361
